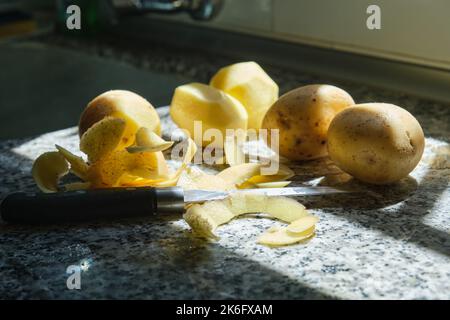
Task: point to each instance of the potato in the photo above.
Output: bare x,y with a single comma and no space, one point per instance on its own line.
250,84
303,116
378,143
212,108
134,109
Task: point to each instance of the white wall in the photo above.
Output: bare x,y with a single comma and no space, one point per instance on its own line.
415,31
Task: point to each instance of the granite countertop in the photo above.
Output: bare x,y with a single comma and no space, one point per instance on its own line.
387,242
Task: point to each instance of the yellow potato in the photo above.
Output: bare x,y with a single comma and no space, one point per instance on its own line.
126,105
212,107
233,148
250,84
102,138
303,116
378,143
47,169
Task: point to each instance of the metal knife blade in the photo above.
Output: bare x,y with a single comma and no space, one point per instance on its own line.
194,196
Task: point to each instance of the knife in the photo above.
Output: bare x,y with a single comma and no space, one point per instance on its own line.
86,205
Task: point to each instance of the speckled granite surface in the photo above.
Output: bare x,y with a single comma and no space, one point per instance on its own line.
393,243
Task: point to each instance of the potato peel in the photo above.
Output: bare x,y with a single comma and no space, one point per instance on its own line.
187,158
282,174
274,184
205,218
234,154
275,237
149,141
240,173
77,165
303,224
74,186
102,138
47,169
195,178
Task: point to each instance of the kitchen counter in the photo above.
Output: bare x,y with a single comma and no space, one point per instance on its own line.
383,243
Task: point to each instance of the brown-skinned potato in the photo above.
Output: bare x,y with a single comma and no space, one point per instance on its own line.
378,143
303,116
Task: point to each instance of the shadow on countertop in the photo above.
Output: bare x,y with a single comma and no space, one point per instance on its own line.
136,258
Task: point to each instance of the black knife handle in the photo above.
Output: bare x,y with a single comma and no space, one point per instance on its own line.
88,205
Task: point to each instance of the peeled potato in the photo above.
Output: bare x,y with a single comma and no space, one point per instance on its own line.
250,84
47,169
233,148
102,138
126,105
211,107
148,141
303,116
77,165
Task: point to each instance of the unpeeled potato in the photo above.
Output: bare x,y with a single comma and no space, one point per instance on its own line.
303,116
378,143
126,105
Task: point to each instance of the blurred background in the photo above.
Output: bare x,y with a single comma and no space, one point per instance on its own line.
48,73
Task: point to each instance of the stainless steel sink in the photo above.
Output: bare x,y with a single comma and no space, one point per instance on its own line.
45,88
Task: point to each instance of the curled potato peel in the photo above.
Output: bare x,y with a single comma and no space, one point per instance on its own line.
149,141
280,236
195,178
205,218
102,138
283,173
77,165
108,171
240,173
47,169
303,224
